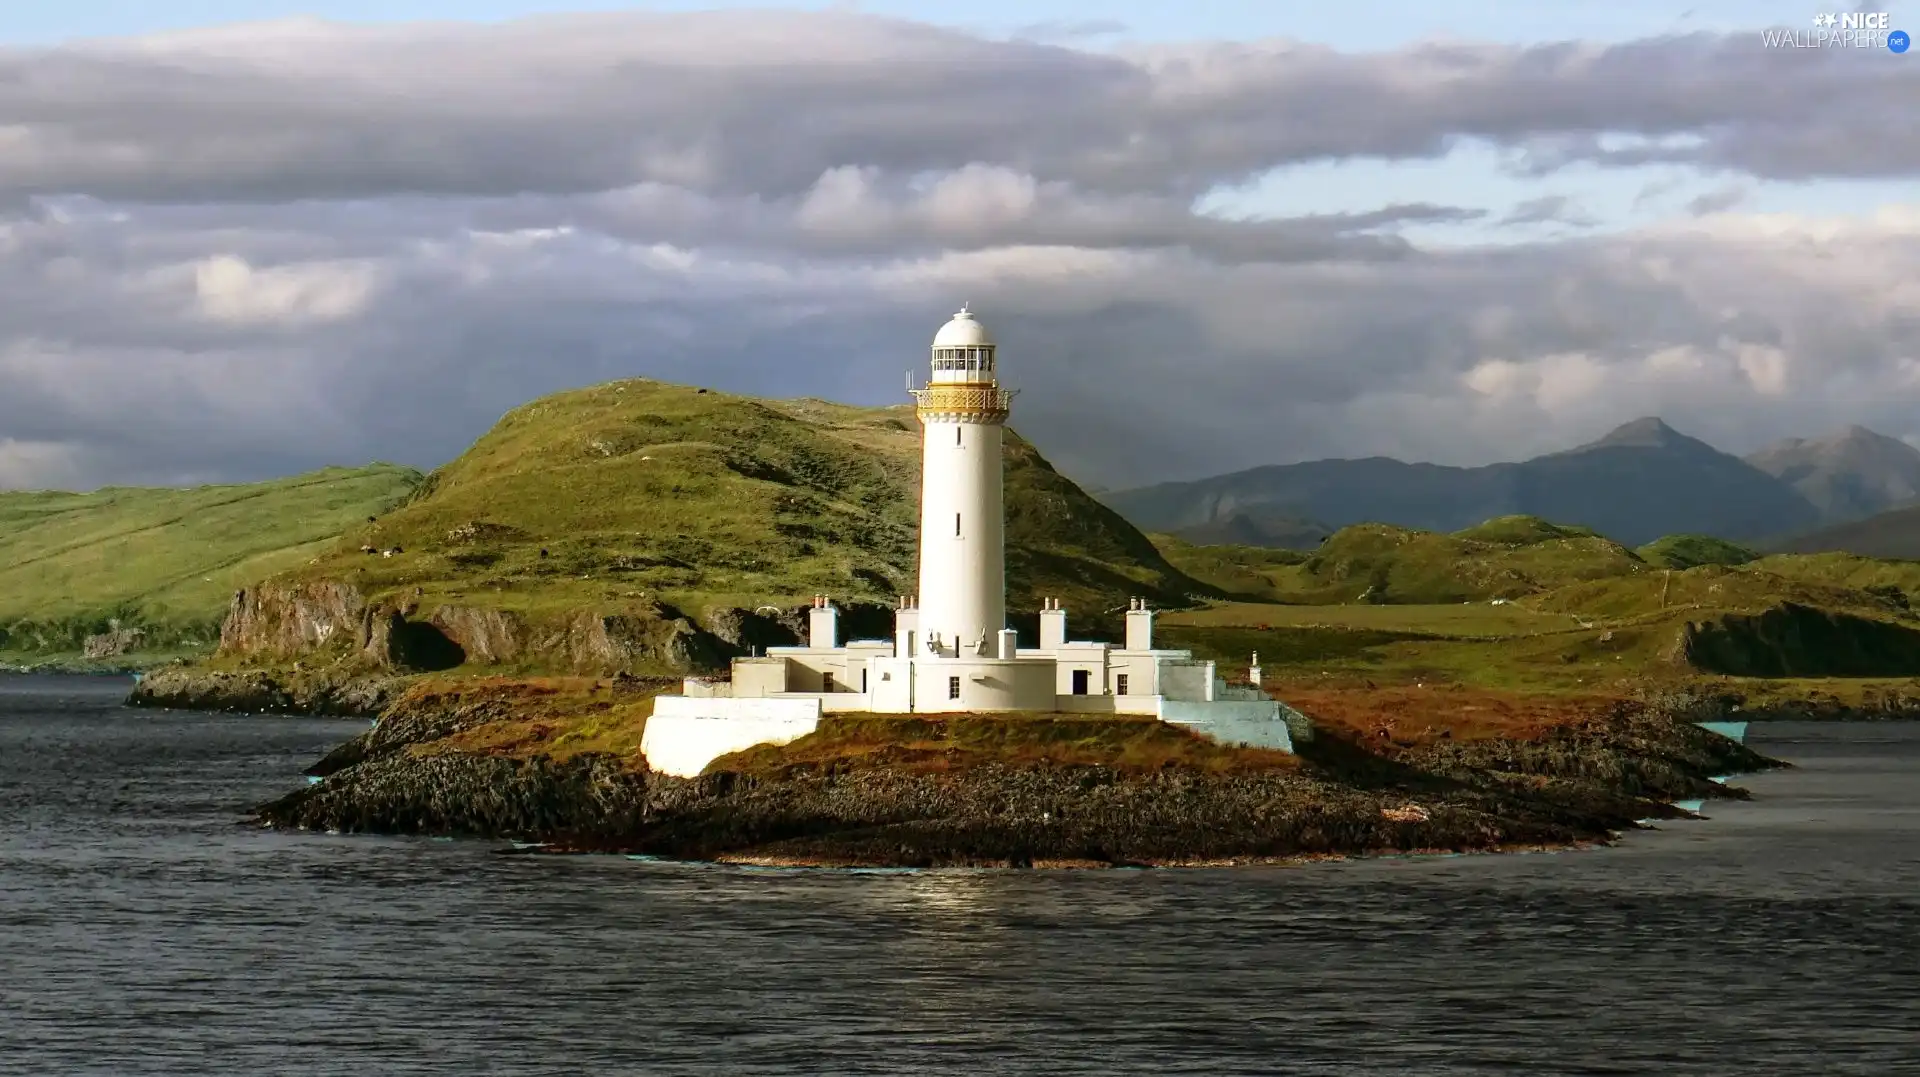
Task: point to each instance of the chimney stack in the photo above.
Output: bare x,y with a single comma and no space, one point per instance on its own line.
1053,625
1139,626
823,624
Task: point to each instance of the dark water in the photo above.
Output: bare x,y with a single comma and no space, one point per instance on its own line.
142,932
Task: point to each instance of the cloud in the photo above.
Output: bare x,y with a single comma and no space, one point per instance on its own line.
307,109
1718,200
228,289
1061,31
1548,209
238,253
37,464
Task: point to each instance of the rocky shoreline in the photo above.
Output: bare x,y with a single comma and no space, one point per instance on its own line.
258,691
880,805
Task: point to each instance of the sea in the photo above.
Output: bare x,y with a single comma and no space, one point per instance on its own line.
145,929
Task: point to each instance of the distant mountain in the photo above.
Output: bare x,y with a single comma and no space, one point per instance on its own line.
1852,475
1641,481
1893,534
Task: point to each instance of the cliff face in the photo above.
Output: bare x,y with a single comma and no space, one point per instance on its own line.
1792,640
282,621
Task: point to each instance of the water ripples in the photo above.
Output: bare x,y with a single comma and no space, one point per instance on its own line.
146,932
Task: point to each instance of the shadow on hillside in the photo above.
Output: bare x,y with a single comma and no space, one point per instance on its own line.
1339,757
1792,640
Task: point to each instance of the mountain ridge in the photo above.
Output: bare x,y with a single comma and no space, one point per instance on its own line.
1851,475
1642,480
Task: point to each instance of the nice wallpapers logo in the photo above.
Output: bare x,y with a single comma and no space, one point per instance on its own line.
1847,30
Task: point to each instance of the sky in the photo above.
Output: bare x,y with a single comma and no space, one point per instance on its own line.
242,239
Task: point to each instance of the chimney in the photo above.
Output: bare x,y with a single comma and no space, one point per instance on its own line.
1053,625
906,629
1253,670
823,624
1139,626
1007,644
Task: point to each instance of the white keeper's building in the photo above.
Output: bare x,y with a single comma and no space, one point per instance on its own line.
951,650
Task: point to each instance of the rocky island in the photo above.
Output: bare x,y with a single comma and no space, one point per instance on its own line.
552,762
509,623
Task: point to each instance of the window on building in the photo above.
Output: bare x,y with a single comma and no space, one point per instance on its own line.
956,525
863,680
1119,684
1079,682
956,433
826,682
953,688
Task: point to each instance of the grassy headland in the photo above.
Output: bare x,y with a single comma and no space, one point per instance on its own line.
160,566
705,500
1520,604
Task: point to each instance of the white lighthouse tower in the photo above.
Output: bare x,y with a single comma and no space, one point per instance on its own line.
953,653
963,574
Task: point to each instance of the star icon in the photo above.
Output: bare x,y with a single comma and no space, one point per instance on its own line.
1823,20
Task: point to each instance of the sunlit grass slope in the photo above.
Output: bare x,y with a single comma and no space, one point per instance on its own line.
638,491
167,560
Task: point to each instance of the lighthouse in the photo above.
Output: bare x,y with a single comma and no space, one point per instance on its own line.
953,653
963,573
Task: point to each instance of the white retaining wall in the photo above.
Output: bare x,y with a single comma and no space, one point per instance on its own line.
1238,724
685,733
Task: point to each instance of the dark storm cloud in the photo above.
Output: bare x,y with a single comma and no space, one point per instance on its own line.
765,103
240,253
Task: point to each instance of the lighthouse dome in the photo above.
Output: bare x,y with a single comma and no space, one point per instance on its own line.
964,331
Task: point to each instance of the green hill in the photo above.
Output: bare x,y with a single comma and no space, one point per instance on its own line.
639,524
1504,557
165,562
1520,602
1692,551
1249,573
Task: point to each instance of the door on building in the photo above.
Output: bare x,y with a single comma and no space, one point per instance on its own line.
1079,682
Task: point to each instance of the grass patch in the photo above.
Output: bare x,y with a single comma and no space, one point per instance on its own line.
1256,573
938,744
1692,551
1474,619
559,717
167,561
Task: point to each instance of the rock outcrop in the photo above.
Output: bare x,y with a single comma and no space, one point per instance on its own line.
278,622
112,643
1793,640
588,799
888,806
289,691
